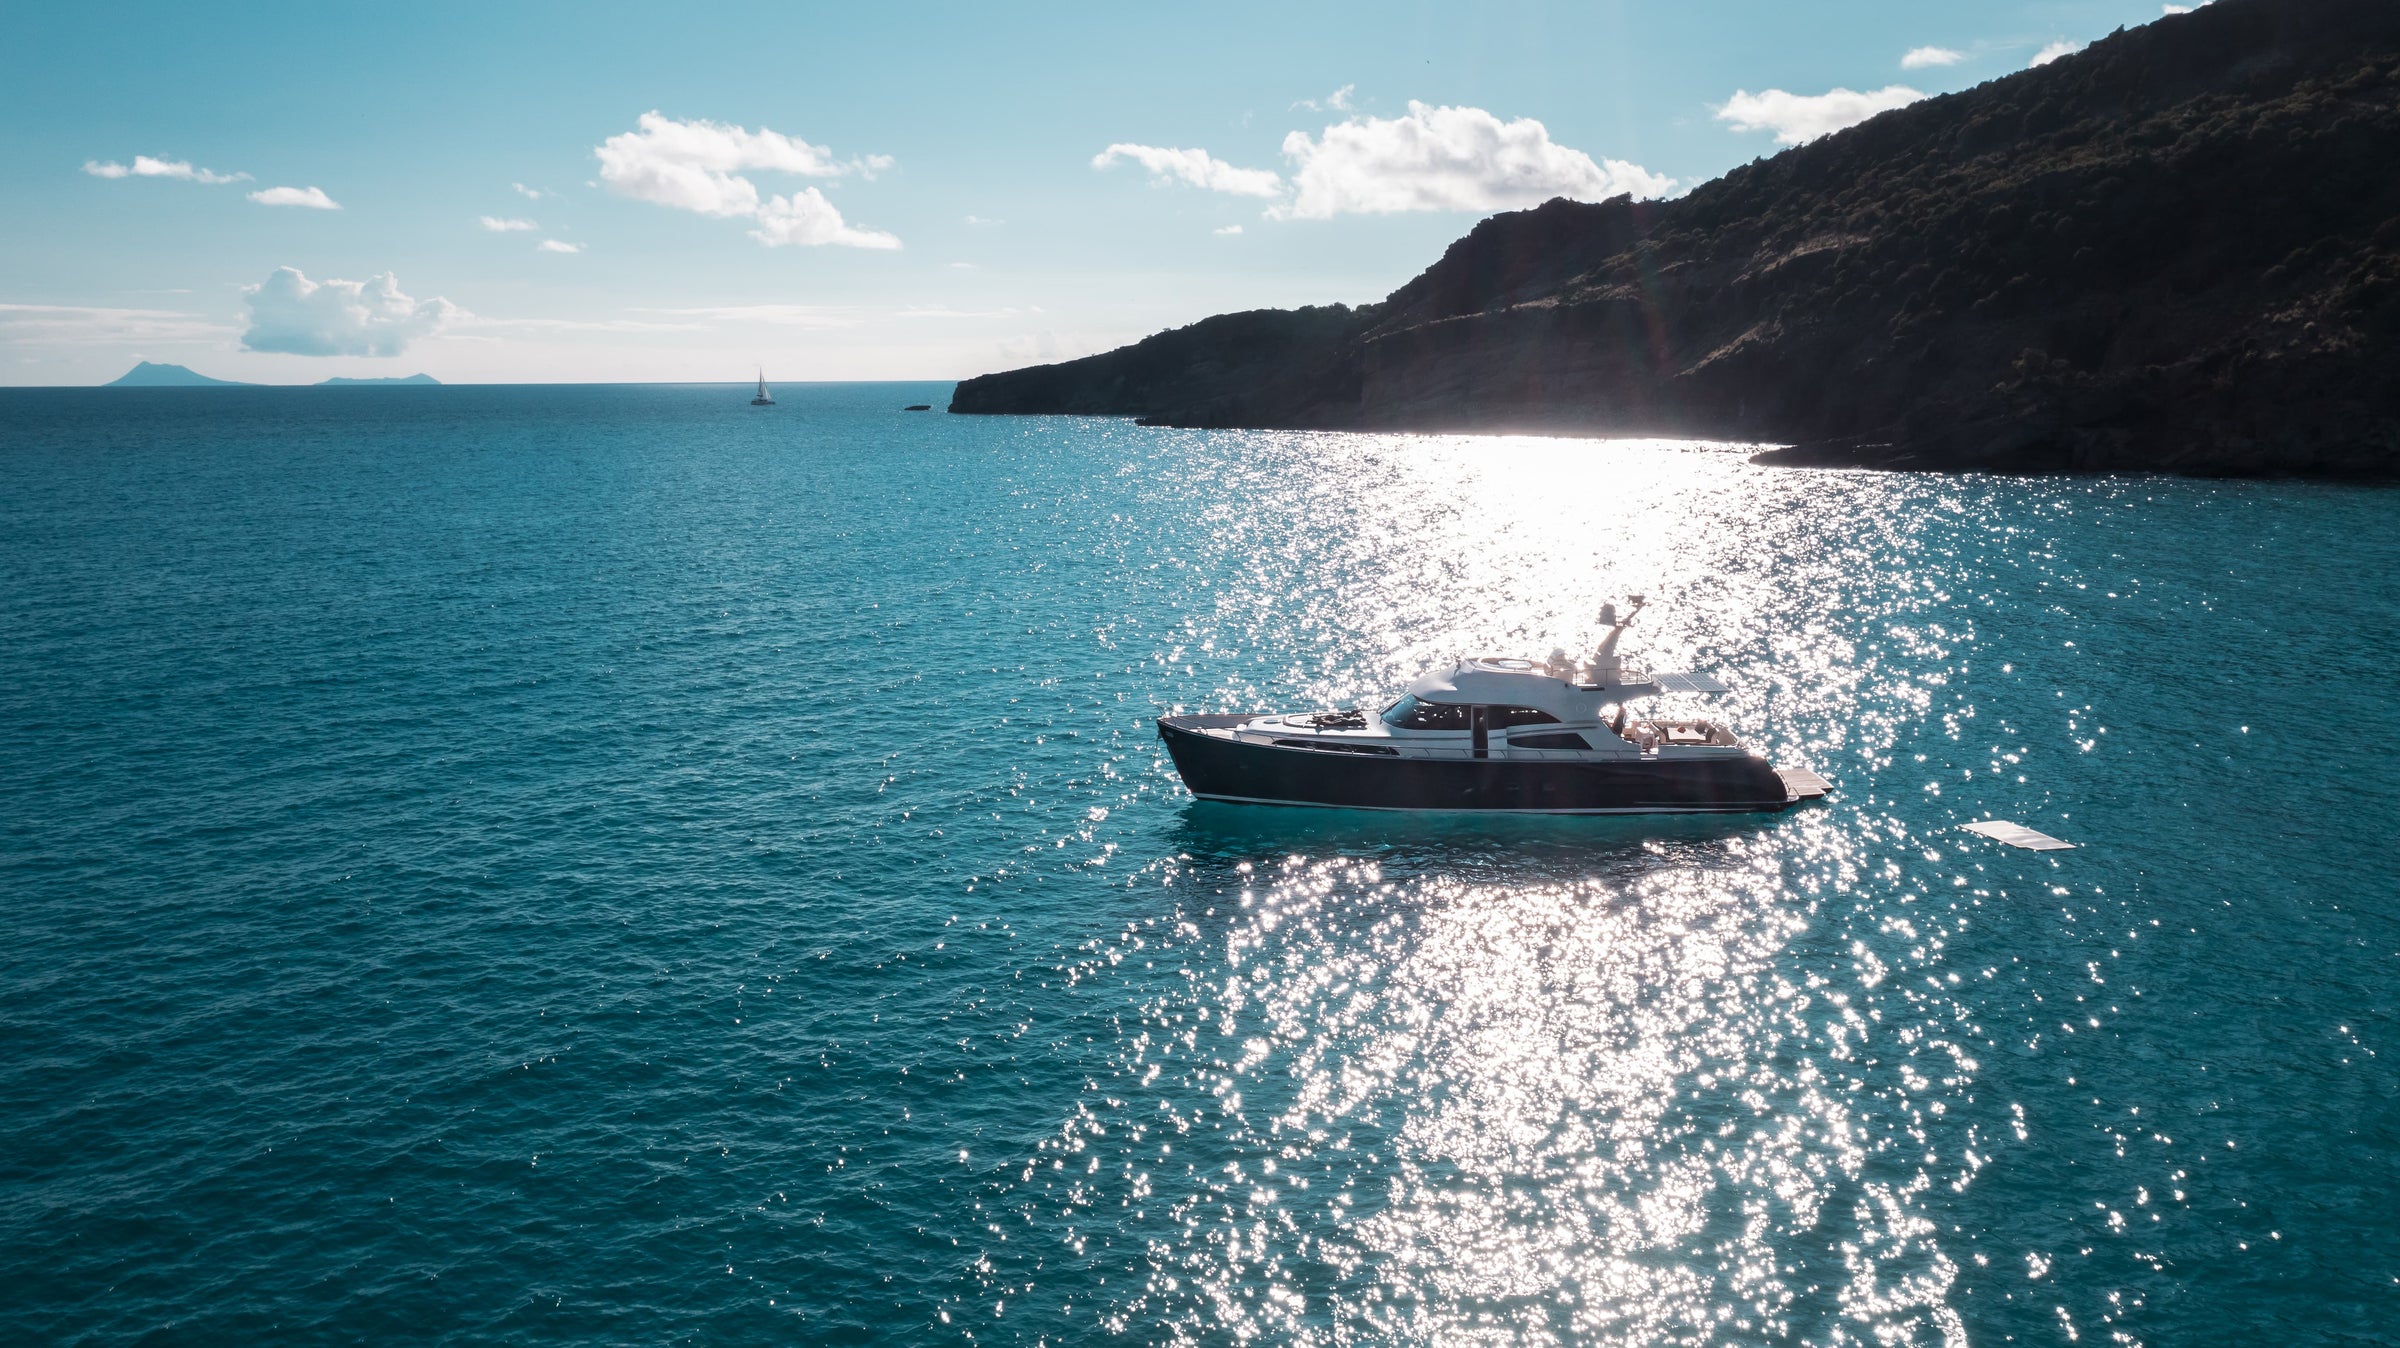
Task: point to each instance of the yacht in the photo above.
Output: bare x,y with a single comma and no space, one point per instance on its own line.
1560,736
764,398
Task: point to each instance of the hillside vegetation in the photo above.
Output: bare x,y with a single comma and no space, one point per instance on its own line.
2176,249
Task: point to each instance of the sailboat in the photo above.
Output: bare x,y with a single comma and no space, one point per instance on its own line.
764,398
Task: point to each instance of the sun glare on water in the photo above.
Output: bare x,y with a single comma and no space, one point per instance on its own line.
1613,1082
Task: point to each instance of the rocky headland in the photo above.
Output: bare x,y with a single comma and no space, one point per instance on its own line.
2177,249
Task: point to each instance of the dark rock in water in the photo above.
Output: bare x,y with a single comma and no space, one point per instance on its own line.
411,379
918,407
145,374
2177,249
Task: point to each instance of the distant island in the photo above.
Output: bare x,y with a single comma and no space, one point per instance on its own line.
2177,249
149,375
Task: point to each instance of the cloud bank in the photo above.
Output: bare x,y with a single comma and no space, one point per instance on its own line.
87,325
1918,58
1446,159
313,198
698,167
291,314
1795,118
1432,159
1196,167
143,166
775,315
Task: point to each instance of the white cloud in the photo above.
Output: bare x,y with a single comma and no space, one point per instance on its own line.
2181,9
1446,159
144,166
1918,58
557,246
510,226
807,218
2052,52
1197,167
1803,117
697,166
1227,229
1432,159
531,193
980,222
292,314
313,198
1338,100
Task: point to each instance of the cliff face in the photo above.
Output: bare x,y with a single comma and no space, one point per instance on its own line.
2178,249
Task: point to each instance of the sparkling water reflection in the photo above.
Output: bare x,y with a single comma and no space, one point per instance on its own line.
574,865
1598,1099
1653,1083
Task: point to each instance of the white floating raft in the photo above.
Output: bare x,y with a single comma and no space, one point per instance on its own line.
2017,835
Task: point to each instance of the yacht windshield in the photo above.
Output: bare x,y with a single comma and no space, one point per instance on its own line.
1410,714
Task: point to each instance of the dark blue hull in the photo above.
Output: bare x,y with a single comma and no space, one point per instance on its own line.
1262,774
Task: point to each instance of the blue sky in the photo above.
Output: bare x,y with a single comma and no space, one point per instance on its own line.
966,135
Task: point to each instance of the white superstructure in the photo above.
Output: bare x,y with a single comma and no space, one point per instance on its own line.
1510,708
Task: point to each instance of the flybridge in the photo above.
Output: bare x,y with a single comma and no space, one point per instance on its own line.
1604,672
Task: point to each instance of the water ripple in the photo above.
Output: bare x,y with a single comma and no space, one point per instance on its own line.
560,865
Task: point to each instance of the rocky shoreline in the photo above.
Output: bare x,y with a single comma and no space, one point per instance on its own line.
2178,249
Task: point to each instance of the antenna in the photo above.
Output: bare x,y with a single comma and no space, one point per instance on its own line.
1604,661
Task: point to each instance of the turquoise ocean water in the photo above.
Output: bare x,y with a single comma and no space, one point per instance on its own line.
548,865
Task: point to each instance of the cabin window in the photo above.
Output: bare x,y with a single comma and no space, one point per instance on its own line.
1562,739
1504,717
1410,714
1339,747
